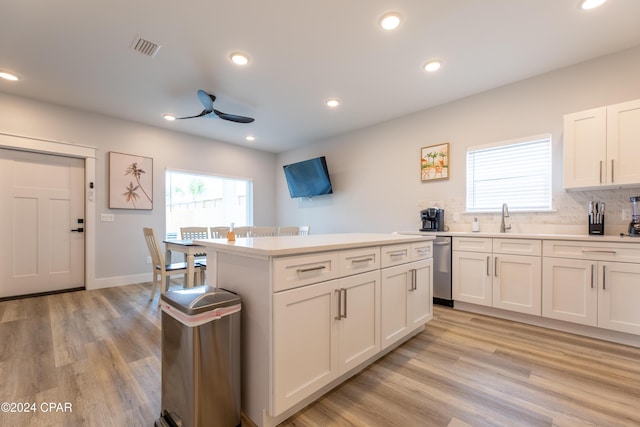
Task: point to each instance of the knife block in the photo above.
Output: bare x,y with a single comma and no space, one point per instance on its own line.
597,229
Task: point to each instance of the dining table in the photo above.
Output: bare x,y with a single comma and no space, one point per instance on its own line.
189,249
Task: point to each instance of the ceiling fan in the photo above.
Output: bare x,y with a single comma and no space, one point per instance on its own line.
207,100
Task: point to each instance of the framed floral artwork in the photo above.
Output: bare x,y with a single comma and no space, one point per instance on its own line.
130,181
434,162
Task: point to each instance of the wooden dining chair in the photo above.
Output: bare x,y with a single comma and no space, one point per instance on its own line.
292,230
305,230
219,232
163,270
263,231
192,233
242,231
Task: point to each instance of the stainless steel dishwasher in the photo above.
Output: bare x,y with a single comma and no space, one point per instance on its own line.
442,271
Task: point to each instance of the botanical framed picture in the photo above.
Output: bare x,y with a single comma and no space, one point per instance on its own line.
130,181
434,162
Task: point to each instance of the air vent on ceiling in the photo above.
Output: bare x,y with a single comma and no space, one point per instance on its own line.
145,47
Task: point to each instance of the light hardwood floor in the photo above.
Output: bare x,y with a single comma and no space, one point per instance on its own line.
99,351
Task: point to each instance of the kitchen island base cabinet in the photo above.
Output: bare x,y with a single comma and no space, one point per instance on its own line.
338,323
407,295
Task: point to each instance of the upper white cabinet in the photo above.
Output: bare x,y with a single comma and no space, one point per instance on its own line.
601,147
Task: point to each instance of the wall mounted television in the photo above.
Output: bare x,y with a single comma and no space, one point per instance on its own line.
308,178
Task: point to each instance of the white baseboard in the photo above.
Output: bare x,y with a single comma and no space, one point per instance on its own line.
110,282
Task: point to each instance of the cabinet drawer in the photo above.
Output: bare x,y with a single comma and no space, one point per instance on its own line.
605,251
395,254
291,272
517,247
421,250
472,244
359,260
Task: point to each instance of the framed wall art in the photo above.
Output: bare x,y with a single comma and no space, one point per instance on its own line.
434,162
130,181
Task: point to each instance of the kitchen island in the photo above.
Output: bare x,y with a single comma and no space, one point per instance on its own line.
318,309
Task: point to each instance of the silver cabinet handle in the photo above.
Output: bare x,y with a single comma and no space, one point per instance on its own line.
306,270
342,304
600,171
414,285
356,261
488,265
604,277
612,181
495,266
596,251
398,253
593,275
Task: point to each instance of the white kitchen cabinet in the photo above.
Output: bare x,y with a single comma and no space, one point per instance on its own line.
503,273
471,278
570,290
406,291
600,146
586,283
341,316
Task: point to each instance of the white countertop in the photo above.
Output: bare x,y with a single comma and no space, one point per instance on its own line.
540,236
295,245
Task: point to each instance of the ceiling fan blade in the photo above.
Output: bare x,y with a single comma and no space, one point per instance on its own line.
206,99
233,117
204,113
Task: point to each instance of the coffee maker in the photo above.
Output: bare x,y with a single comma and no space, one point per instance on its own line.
432,219
634,225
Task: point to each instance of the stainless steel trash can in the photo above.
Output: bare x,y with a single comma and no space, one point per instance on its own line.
200,358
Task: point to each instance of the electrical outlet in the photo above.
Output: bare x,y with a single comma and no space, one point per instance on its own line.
456,216
107,217
148,260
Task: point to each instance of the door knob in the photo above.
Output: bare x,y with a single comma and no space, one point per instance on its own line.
79,230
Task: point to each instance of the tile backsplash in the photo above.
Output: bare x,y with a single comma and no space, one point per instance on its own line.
569,215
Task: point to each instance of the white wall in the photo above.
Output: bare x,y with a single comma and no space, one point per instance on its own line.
120,249
375,171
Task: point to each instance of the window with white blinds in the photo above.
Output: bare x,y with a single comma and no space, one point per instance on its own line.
516,172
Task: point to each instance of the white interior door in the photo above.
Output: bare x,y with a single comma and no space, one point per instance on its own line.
41,201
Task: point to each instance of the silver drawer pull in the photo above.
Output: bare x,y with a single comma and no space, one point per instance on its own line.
362,260
598,252
306,270
423,251
398,253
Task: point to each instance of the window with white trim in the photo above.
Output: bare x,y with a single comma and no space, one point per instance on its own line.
515,172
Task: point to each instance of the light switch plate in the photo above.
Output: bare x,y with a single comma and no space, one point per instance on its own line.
107,217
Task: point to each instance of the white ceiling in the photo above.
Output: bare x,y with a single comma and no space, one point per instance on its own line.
78,53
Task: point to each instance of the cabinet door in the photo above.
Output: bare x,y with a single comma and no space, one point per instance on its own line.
618,296
421,296
517,283
570,290
471,279
359,329
623,149
394,311
584,148
304,342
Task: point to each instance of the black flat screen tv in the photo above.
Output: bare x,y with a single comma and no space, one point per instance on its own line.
308,178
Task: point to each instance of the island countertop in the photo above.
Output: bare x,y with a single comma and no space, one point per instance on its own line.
295,245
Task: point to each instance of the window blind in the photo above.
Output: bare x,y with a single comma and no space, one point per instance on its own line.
514,172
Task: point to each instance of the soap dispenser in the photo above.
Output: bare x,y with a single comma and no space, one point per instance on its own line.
475,227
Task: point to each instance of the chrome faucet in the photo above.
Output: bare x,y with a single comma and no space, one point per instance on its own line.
505,214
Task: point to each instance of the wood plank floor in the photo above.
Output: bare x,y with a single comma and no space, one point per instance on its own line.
99,351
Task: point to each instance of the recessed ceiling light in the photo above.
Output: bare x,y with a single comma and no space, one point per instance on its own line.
432,65
9,76
169,117
239,58
332,102
250,138
592,4
390,21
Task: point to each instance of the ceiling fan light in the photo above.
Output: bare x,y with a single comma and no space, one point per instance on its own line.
591,4
432,65
390,21
239,58
9,76
169,117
